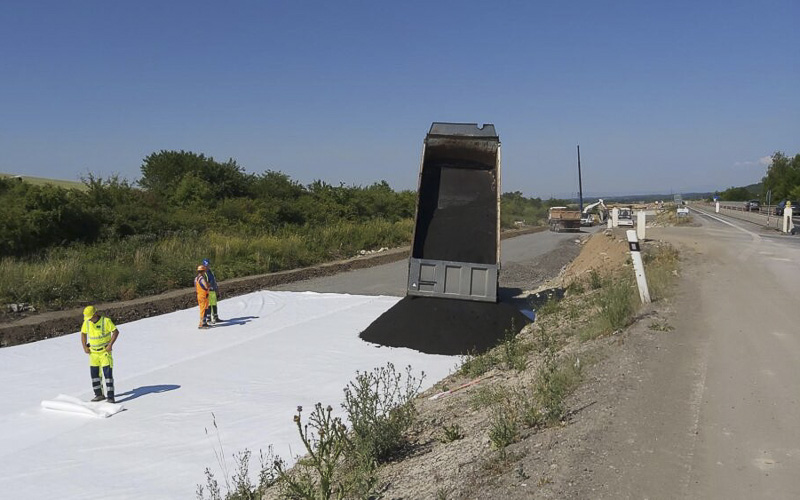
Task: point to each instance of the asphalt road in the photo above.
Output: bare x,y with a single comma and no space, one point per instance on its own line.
390,279
715,413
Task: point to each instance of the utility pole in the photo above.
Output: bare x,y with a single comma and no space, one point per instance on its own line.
580,184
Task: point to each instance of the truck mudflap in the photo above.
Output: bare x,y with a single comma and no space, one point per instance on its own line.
456,245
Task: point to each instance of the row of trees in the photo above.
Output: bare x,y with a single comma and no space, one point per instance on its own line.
184,191
782,180
514,207
181,191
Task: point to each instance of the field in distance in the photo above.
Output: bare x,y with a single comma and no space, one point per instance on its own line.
42,181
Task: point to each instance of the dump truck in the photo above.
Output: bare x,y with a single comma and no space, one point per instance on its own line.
563,219
455,252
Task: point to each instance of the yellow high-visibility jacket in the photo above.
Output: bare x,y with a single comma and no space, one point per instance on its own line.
99,333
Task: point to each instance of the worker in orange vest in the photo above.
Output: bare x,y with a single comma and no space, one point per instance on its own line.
202,288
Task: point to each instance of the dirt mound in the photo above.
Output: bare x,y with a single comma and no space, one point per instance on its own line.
602,252
445,326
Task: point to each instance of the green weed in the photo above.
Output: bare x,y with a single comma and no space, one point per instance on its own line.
451,433
475,365
617,304
503,429
550,308
661,326
486,396
514,350
595,280
661,268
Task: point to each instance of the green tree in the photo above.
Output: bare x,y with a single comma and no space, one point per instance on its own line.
783,176
736,194
515,207
35,217
163,174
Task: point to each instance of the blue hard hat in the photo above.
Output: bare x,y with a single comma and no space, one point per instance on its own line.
206,262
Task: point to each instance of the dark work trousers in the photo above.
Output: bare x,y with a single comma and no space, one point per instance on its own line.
107,374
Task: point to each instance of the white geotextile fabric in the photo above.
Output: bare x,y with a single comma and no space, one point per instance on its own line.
70,404
248,375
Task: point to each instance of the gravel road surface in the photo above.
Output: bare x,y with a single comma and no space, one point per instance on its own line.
526,261
711,409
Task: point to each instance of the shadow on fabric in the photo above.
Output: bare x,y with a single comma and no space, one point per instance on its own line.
144,391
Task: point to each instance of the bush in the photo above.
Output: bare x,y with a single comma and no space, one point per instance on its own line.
338,463
380,410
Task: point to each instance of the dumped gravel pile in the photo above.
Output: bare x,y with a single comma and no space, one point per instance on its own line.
445,326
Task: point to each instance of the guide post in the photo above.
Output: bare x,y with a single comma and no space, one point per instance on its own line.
638,266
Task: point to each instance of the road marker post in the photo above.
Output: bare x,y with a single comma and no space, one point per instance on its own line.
640,224
638,266
717,208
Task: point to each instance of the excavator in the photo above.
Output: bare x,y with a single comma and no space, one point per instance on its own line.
587,217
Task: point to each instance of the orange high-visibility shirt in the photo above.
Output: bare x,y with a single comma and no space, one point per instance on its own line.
201,285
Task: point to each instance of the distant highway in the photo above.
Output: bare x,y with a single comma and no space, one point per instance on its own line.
765,216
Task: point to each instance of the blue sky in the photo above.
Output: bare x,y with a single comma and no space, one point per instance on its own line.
662,97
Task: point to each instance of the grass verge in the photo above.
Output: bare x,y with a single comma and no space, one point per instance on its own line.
140,266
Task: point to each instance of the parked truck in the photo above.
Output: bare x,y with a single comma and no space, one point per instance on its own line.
563,219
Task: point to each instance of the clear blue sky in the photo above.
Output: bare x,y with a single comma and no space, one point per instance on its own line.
669,97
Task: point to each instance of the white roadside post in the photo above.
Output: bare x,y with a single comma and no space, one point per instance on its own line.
615,217
787,218
640,224
717,208
638,266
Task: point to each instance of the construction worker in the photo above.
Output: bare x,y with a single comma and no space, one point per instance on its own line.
202,289
212,293
101,334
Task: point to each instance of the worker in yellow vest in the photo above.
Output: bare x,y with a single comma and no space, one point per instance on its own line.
101,333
